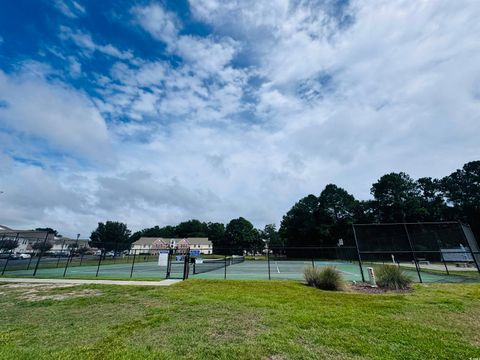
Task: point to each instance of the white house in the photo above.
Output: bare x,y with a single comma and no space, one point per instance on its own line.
25,238
63,244
153,244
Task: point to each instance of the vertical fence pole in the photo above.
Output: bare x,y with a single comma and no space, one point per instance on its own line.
358,252
29,262
8,258
5,266
66,266
410,242
225,268
40,255
169,262
444,263
268,261
133,263
61,252
99,262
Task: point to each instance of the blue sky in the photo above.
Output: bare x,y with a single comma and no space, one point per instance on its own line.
154,112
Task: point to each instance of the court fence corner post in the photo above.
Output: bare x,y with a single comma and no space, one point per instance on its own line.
268,261
358,253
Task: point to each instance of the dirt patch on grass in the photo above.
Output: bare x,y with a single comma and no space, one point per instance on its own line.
368,289
39,292
33,296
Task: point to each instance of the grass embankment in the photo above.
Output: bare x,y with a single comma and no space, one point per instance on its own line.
200,319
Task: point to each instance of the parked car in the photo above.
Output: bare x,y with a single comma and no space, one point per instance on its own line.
25,256
110,254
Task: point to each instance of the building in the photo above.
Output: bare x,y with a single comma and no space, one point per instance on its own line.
153,244
25,238
64,244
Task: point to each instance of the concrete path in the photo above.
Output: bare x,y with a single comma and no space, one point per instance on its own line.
88,282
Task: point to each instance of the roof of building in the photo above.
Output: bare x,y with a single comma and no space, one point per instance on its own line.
192,241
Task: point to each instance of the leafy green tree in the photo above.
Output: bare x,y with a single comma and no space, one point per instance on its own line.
49,230
111,235
432,199
299,225
156,231
216,234
8,245
191,228
42,246
462,190
397,198
335,215
241,235
272,238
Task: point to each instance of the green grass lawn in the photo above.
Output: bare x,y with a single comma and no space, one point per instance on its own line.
201,319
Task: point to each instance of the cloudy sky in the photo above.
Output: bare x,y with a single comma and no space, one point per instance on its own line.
155,112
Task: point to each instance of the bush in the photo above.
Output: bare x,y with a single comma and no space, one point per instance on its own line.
327,278
392,277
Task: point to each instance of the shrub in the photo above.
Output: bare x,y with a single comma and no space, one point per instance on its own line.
392,277
327,278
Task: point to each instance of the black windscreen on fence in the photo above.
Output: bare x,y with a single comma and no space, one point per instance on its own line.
428,251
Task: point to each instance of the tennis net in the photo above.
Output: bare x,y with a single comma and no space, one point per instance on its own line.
206,265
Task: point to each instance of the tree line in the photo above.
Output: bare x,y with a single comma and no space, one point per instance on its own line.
324,219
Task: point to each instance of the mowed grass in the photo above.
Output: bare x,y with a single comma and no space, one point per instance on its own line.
202,319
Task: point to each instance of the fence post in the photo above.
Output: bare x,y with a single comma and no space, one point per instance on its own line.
8,258
225,268
66,266
40,255
99,262
133,263
61,252
5,266
358,252
410,242
268,261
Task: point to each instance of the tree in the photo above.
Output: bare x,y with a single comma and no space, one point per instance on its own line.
156,231
397,198
191,228
50,231
42,246
272,238
335,215
8,245
240,235
299,227
216,234
462,191
112,235
432,199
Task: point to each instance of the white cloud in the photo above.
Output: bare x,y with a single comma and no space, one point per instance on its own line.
52,112
70,8
161,24
85,41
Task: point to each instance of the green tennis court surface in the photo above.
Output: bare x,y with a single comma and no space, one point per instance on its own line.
247,270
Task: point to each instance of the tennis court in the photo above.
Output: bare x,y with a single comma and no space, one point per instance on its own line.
234,268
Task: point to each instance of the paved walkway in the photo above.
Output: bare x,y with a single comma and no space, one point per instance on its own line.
83,282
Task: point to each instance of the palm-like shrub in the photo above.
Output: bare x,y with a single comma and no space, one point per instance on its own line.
327,278
392,277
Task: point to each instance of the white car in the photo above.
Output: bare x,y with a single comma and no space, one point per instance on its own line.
24,256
